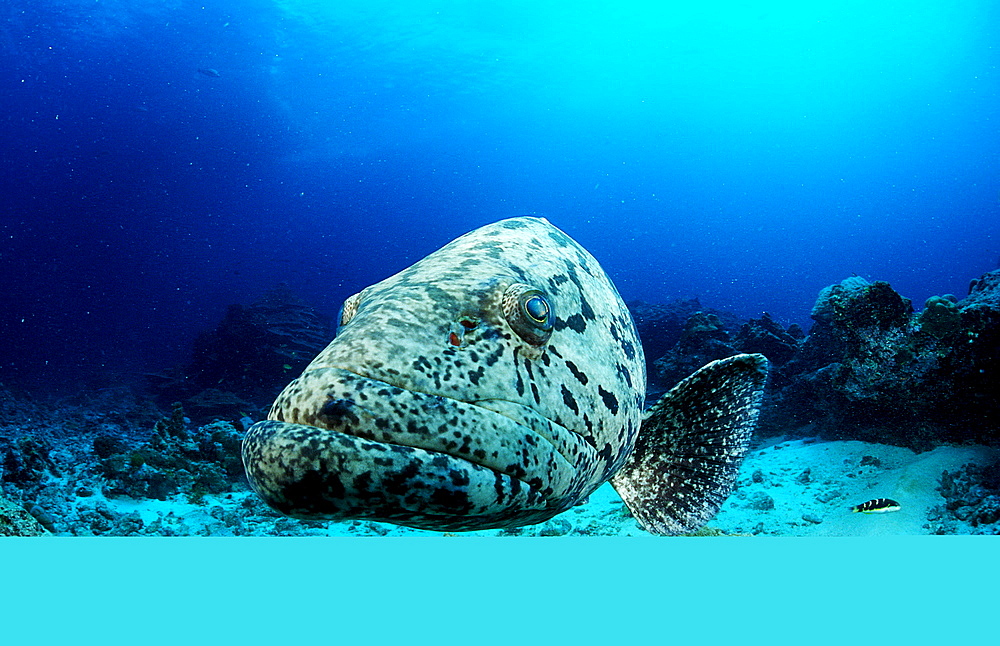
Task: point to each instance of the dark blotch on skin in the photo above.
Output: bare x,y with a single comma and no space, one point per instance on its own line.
576,323
312,486
493,358
629,349
558,238
623,374
570,401
582,378
610,401
399,483
363,482
311,450
585,309
452,499
339,411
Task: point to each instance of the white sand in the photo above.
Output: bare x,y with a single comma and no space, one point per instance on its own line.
817,505
836,482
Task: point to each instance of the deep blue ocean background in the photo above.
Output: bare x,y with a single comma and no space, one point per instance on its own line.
748,154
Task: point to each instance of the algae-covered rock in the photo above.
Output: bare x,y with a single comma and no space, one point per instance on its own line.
766,336
661,325
972,495
26,460
856,304
830,302
941,317
984,291
15,521
256,349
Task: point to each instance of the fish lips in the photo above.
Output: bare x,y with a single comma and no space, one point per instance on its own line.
379,452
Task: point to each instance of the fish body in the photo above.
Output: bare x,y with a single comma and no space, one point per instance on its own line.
496,383
877,506
208,71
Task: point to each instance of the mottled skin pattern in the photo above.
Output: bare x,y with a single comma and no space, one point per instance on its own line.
497,382
393,421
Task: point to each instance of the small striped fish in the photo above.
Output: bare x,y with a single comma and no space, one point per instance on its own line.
877,506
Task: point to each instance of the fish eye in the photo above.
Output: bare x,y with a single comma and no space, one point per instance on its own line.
528,312
347,311
537,309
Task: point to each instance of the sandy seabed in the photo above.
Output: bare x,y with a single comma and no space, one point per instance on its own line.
799,487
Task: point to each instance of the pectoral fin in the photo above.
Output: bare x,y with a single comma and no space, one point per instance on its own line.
691,445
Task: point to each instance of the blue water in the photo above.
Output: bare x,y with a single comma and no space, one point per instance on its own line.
745,153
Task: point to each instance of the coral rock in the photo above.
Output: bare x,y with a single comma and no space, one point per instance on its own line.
15,521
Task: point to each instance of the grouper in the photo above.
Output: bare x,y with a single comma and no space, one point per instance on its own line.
496,383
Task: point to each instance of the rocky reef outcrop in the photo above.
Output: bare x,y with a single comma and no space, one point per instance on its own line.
871,367
677,335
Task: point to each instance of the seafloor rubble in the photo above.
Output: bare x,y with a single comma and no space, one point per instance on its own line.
972,497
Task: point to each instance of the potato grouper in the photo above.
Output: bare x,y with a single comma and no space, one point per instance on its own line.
496,383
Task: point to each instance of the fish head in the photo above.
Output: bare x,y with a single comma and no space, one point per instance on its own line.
497,382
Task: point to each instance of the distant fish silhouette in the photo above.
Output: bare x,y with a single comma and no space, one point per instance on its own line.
208,71
877,506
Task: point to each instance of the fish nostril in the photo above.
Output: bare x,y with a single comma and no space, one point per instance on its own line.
339,411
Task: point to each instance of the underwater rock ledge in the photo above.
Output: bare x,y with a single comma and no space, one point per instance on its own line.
871,368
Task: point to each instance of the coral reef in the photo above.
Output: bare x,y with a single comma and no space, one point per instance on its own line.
27,461
704,339
972,496
871,369
174,460
108,462
660,325
941,317
15,521
77,483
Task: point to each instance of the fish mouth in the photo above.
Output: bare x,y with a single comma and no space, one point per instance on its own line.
358,447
